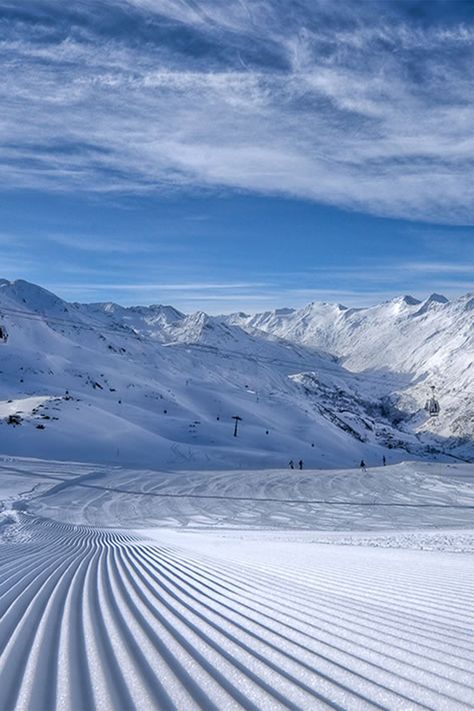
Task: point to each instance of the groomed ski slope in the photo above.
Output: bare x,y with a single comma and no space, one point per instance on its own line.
219,611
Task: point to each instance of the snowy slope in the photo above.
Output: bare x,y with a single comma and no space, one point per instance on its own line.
221,605
149,573
153,386
409,344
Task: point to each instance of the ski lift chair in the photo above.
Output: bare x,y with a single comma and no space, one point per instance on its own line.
432,407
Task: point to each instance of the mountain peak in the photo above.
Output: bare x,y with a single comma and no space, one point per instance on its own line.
408,300
436,298
430,303
33,296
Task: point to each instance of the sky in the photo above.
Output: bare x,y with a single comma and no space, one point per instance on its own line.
232,155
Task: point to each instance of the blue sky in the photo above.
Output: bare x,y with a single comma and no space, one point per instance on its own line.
237,155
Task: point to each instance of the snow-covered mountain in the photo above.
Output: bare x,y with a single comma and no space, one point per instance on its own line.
410,345
151,385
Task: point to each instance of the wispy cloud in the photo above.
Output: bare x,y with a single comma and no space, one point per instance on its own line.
189,286
310,99
442,268
109,245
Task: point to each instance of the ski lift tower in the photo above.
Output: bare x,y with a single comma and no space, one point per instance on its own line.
432,404
237,420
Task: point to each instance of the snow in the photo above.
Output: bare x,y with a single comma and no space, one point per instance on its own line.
409,344
123,588
150,386
261,499
150,559
22,406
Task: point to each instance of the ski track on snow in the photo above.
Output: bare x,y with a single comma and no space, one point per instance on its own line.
129,589
94,618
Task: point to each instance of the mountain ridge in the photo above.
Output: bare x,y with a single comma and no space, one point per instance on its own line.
326,383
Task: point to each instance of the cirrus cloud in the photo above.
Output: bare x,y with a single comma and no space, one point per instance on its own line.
359,107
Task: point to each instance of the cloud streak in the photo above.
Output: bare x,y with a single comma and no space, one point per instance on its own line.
365,111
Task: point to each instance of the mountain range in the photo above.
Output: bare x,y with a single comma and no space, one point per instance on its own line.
151,386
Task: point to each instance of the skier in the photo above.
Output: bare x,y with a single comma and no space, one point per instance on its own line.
300,464
362,465
291,464
384,460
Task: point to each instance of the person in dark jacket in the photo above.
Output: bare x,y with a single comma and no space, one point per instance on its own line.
291,464
362,465
300,464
